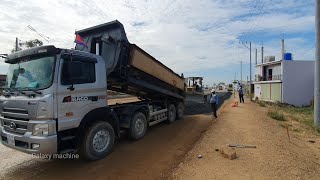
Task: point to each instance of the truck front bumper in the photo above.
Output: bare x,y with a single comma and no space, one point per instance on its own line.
28,143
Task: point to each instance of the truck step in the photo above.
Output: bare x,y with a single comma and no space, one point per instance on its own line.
157,121
68,138
68,151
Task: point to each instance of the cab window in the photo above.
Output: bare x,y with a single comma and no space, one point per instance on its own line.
77,72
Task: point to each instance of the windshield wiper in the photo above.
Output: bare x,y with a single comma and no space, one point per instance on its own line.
36,91
33,90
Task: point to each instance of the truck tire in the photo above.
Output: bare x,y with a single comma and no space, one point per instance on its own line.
180,110
172,113
138,127
98,141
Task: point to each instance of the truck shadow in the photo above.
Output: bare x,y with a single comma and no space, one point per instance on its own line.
163,146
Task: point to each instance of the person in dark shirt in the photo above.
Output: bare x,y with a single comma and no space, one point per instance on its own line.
240,90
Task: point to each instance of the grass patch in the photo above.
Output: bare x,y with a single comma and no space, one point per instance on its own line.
261,103
300,114
296,130
276,115
281,111
309,122
307,111
283,125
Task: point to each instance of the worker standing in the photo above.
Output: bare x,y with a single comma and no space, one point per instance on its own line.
214,100
240,91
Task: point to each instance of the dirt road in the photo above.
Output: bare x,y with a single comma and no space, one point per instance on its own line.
274,158
163,147
170,152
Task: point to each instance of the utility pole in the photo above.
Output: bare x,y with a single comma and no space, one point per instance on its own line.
250,73
241,72
256,56
250,64
234,85
317,69
17,44
262,53
282,49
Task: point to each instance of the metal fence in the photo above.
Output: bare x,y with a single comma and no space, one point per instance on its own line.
268,78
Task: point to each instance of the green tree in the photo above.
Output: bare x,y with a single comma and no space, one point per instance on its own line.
33,43
29,44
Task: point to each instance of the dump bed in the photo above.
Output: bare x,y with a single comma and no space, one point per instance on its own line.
130,69
148,64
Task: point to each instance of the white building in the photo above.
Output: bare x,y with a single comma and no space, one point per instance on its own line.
285,81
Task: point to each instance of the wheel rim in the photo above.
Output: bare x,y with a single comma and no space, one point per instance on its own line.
101,140
139,126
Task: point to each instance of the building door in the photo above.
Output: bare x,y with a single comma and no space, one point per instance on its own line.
265,92
276,91
264,73
269,74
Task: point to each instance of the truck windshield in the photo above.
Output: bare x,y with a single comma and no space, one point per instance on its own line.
33,74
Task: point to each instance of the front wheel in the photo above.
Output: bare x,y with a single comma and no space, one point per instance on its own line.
98,141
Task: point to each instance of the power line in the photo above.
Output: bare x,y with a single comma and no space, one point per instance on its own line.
255,10
46,38
253,19
254,24
262,15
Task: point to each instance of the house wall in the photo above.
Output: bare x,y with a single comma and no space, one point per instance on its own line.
271,91
298,82
258,71
257,91
276,92
265,92
276,70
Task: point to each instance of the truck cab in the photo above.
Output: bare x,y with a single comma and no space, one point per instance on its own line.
55,100
49,90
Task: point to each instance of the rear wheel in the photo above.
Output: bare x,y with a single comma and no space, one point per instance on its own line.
98,141
138,127
180,110
172,113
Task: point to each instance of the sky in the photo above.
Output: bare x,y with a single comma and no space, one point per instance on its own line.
195,37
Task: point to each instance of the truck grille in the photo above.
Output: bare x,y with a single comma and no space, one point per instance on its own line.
15,120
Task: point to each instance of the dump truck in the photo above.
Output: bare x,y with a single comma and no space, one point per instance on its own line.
56,102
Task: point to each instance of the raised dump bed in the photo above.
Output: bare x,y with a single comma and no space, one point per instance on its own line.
130,69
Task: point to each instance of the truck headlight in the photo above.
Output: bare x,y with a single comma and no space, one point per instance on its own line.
44,130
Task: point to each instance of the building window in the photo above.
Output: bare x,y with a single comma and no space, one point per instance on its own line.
270,74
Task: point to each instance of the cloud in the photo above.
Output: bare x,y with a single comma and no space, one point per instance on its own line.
188,36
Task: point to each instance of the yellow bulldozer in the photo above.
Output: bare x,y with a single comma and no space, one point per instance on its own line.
195,91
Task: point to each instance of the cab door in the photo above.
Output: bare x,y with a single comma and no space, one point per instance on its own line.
76,91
